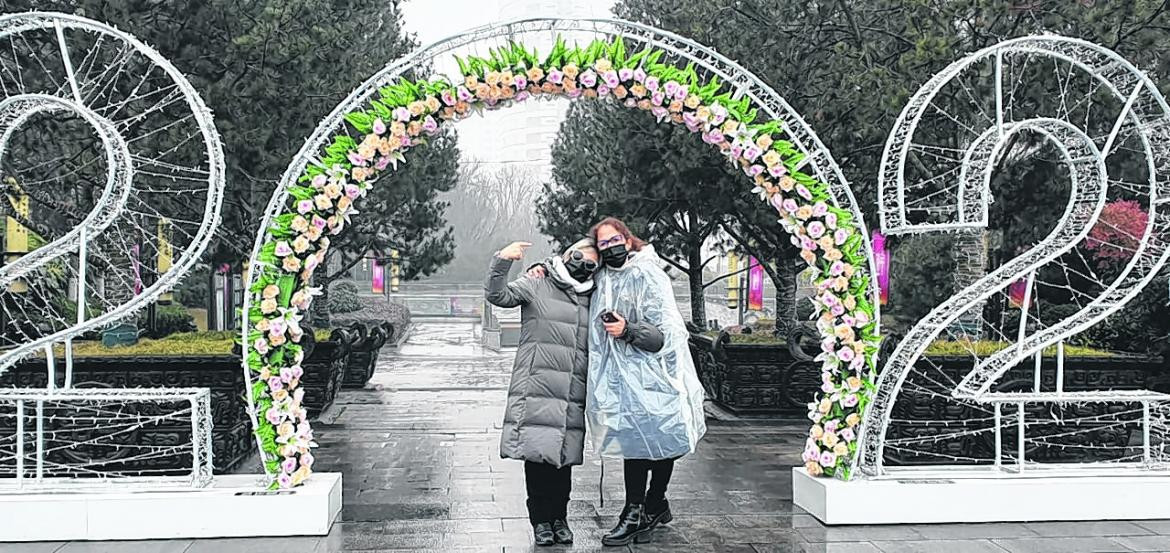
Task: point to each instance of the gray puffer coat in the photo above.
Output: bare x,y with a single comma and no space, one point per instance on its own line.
545,417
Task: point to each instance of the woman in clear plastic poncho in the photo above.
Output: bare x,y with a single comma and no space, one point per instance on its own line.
645,402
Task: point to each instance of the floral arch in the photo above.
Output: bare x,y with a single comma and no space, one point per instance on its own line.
676,79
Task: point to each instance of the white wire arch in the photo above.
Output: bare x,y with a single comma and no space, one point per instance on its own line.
110,202
735,77
1144,112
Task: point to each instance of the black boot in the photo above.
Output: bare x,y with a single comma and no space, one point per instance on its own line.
632,526
543,534
658,512
562,532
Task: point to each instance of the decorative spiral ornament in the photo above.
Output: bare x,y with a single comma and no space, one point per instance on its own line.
113,177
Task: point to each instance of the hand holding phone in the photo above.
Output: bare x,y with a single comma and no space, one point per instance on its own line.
614,324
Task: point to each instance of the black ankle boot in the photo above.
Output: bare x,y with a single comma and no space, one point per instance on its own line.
632,526
658,512
562,532
543,534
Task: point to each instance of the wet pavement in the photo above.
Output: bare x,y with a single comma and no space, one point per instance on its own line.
419,450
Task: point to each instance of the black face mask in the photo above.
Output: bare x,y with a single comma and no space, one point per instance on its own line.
580,269
615,256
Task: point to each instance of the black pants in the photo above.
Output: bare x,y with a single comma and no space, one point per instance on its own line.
638,471
548,491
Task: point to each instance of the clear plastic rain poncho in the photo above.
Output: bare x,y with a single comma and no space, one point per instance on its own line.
641,404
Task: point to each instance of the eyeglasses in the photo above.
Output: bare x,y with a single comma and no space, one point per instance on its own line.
616,239
589,264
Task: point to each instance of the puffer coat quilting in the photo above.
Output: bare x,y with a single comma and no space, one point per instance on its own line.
544,420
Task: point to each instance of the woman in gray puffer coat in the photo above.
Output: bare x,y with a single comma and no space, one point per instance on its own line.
544,422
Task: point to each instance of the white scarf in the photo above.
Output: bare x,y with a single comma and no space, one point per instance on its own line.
558,265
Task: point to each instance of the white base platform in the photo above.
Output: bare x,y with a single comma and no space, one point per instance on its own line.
230,507
916,500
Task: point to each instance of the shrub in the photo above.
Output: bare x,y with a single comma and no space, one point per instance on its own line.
168,319
343,298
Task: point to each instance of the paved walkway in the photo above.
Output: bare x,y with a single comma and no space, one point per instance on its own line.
419,450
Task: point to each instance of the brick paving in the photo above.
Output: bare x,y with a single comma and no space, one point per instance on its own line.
419,450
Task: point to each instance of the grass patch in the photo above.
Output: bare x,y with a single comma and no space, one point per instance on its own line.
984,348
185,343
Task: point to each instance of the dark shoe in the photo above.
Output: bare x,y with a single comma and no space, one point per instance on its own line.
633,526
562,532
543,534
658,512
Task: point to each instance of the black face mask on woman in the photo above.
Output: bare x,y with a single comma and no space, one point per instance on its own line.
579,268
615,256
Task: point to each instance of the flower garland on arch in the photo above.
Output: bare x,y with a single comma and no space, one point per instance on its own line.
323,202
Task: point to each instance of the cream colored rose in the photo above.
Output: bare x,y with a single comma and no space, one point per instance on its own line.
277,340
301,244
730,127
268,306
787,183
344,203
844,332
693,101
398,128
764,141
265,373
825,406
854,383
333,190
262,325
535,74
360,174
271,291
602,65
433,104
367,149
816,432
803,212
833,254
853,419
570,70
280,395
291,264
703,113
491,78
850,303
638,90
813,468
830,439
483,91
808,256
841,449
826,243
313,233
470,82
772,157
414,128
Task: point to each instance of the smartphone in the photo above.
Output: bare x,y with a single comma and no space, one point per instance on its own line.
609,317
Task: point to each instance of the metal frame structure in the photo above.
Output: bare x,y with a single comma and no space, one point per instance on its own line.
17,109
1146,116
737,78
30,404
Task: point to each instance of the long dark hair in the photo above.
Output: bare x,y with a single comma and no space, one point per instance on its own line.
633,243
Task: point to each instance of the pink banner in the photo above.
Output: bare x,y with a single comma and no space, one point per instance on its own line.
1016,293
755,285
881,259
378,276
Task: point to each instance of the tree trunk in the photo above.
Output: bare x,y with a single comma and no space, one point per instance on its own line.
786,273
695,275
